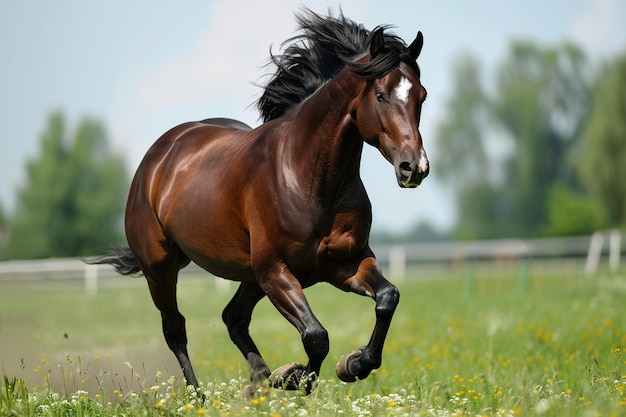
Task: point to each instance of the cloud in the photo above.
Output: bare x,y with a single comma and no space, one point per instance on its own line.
228,57
599,26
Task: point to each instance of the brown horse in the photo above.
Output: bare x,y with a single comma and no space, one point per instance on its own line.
282,206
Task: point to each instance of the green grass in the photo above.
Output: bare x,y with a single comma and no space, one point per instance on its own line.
553,346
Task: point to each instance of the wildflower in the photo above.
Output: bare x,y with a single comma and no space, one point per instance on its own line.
160,403
200,411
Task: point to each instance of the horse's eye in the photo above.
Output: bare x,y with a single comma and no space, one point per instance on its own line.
380,96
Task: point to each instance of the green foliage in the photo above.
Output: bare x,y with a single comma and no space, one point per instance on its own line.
482,212
603,157
4,229
542,98
461,136
571,213
74,196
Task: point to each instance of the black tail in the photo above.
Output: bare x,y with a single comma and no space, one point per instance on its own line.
123,259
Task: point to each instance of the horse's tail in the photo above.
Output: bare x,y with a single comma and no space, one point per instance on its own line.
122,259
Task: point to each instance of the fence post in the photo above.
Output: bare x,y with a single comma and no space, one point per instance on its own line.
91,280
397,262
615,249
469,277
523,275
593,255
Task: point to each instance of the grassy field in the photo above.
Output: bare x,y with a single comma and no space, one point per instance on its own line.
553,346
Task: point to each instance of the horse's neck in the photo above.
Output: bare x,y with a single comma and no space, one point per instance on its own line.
328,143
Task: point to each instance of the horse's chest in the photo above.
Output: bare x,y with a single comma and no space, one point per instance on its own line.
343,237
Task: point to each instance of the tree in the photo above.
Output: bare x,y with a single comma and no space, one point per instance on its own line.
602,160
4,228
462,161
503,152
73,201
461,136
542,99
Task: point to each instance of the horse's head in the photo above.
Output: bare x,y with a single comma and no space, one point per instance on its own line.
388,111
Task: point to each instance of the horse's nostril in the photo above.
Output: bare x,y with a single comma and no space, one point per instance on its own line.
406,166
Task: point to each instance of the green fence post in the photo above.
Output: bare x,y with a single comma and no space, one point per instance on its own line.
469,277
522,276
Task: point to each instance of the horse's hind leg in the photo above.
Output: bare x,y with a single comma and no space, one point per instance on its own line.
237,316
162,280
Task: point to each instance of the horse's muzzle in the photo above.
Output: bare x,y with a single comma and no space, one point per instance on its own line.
410,174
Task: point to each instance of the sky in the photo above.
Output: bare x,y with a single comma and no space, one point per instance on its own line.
144,66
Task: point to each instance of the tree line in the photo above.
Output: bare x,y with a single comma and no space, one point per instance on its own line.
540,151
72,202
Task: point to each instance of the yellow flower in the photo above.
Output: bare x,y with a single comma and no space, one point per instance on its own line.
200,411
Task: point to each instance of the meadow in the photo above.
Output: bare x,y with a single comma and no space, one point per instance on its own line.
552,345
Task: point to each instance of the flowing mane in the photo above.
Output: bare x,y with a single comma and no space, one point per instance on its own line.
325,45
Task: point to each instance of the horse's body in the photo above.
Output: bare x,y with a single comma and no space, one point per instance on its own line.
281,207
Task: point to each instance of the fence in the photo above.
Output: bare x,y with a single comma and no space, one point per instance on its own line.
581,254
586,250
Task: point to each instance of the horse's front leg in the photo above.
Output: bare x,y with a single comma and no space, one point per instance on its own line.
369,281
285,292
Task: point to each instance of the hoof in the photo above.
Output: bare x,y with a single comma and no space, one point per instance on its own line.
342,368
292,377
248,392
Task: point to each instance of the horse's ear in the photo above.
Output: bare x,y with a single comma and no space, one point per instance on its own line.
416,46
377,43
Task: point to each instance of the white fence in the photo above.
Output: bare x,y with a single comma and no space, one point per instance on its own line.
590,250
396,260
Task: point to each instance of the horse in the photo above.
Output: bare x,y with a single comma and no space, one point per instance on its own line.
281,207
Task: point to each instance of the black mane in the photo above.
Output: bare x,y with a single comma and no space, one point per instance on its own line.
326,45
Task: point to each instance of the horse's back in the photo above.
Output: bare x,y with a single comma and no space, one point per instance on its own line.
226,122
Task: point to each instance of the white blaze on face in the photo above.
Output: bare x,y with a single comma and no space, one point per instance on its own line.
402,90
422,164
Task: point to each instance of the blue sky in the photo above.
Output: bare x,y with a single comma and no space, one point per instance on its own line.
145,66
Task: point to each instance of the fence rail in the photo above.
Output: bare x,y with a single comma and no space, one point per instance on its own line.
395,259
